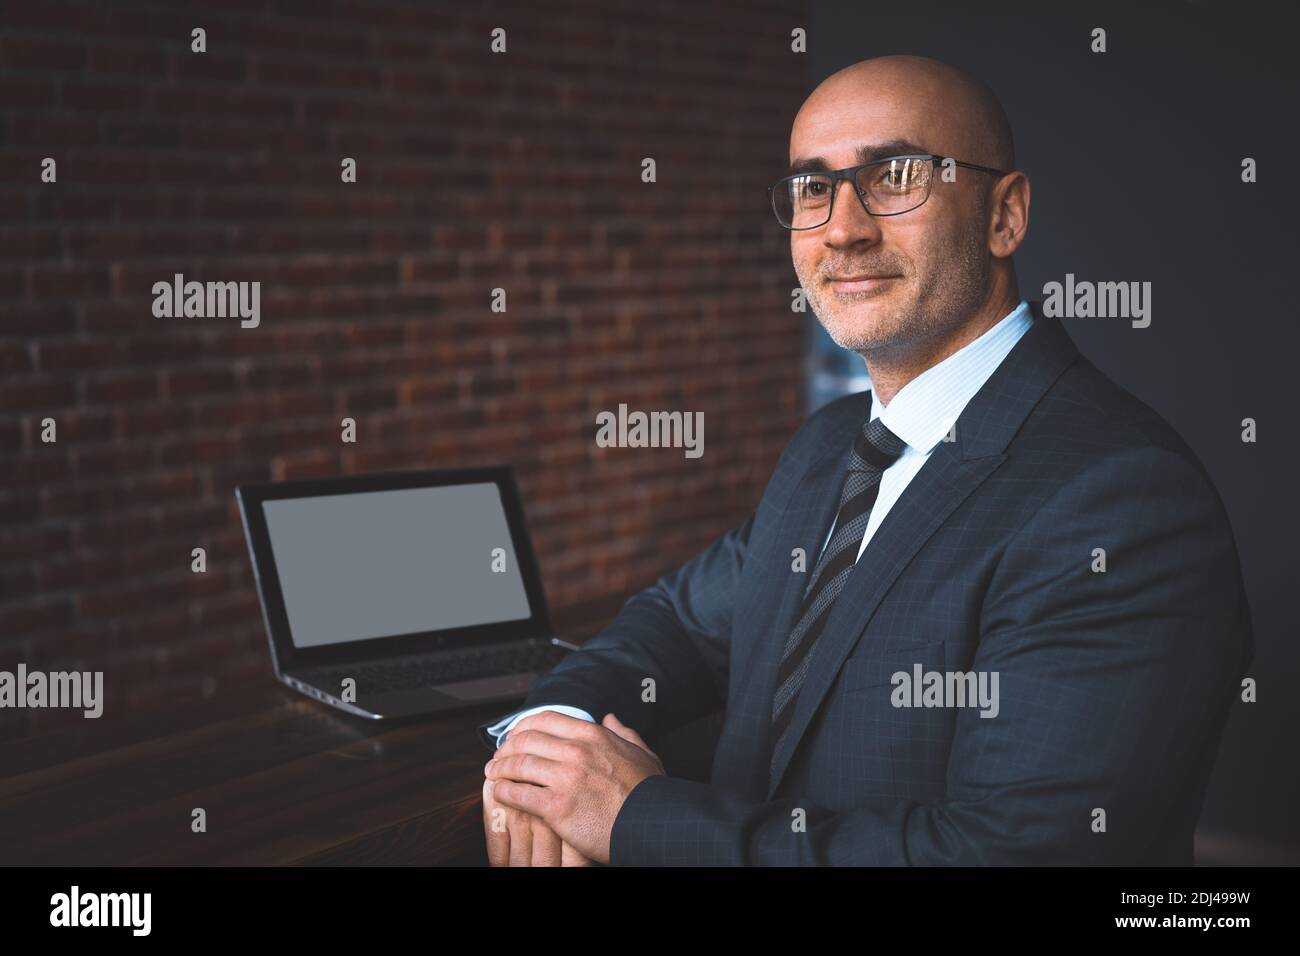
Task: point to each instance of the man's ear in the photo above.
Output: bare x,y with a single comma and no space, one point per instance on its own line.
1009,214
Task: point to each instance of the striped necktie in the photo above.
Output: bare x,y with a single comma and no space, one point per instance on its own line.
874,450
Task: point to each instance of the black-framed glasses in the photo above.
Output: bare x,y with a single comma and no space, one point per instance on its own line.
885,187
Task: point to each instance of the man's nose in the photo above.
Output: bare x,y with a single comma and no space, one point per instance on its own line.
850,222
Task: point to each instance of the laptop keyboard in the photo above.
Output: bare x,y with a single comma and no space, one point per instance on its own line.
461,665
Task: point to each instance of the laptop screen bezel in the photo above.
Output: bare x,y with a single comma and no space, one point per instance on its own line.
252,498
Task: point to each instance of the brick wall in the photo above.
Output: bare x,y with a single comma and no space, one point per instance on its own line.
475,170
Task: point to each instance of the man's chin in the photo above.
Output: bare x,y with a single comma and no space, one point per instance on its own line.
860,334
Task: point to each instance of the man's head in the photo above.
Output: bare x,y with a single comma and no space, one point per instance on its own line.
938,266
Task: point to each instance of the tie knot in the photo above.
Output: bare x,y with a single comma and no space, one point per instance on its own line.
876,447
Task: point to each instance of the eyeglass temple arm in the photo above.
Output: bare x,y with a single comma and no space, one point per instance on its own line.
958,162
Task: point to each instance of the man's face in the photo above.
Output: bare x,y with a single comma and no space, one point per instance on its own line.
930,267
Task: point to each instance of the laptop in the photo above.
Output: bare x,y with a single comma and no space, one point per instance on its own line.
404,593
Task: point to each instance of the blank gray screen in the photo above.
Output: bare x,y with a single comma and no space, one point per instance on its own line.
382,563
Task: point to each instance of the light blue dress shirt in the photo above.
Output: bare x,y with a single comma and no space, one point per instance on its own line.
921,413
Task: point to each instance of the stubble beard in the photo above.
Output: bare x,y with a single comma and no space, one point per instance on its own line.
947,296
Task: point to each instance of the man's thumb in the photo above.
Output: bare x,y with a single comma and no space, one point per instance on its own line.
617,726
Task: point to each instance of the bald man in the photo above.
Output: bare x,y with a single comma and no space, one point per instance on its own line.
989,612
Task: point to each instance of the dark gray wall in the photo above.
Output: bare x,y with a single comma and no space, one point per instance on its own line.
1134,158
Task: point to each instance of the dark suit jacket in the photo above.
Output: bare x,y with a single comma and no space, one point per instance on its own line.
1114,686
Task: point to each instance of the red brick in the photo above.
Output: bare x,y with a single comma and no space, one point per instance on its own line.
209,67
80,354
134,60
15,359
28,244
36,396
34,617
28,92
32,543
126,387
42,54
183,383
104,97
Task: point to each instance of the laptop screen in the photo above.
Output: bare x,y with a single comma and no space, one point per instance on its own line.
386,563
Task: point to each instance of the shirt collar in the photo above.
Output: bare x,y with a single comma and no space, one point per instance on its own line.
925,409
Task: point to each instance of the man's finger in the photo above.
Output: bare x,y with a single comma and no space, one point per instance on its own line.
611,722
526,768
522,796
495,829
537,742
521,839
546,845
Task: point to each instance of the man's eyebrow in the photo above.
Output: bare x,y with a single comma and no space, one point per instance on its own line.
863,154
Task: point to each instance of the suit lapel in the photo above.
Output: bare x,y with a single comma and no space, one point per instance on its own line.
951,474
804,523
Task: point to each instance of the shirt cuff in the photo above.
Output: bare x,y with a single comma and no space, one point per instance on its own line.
506,724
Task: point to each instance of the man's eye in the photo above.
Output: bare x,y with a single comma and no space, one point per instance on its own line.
899,175
812,189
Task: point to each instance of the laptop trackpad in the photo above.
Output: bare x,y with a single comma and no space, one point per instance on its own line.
481,688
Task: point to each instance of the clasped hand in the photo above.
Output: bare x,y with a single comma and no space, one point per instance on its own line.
554,787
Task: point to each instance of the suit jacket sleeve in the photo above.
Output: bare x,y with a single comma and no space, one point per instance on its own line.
1110,684
676,633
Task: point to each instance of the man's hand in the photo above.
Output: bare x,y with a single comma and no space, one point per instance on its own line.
521,839
572,774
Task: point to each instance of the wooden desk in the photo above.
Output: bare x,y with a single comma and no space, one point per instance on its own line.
283,780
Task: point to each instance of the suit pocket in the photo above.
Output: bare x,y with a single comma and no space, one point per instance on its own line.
870,746
876,663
